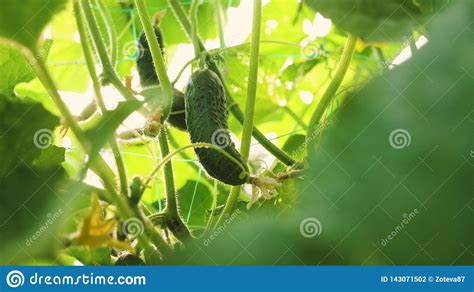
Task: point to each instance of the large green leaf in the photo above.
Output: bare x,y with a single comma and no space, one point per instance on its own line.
374,20
23,24
14,70
30,177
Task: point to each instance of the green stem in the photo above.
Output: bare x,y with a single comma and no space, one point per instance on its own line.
295,117
156,55
177,226
150,236
183,154
213,207
331,90
194,27
171,205
168,157
109,72
220,22
98,95
249,106
412,43
380,57
109,25
233,107
252,82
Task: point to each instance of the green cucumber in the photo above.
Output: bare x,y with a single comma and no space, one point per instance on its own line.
206,119
148,78
177,117
145,67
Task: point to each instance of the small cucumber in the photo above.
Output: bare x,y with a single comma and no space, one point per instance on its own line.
206,119
145,67
148,78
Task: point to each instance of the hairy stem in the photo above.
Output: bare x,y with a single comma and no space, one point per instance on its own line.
109,73
99,165
179,150
220,22
177,226
156,55
332,88
233,107
150,236
249,105
109,25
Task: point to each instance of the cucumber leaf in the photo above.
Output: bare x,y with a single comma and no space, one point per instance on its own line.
30,211
377,21
361,188
23,24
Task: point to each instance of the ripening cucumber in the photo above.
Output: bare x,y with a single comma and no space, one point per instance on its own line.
206,119
145,67
148,78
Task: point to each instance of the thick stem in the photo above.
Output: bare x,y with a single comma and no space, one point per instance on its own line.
249,106
220,22
252,82
156,55
174,222
332,88
171,205
233,107
194,27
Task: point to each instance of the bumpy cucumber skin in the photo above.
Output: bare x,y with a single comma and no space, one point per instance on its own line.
145,67
148,78
206,114
177,117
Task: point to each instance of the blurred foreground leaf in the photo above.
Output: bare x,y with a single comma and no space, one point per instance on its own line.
374,20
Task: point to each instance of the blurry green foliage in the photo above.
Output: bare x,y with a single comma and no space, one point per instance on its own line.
362,190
